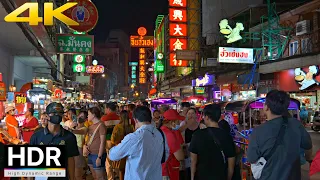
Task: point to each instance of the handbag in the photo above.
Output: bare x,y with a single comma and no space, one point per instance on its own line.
90,141
257,167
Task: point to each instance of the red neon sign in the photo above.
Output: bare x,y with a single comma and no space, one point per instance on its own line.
178,3
177,29
178,44
177,15
179,63
95,69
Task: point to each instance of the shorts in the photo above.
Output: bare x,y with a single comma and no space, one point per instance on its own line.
92,161
80,161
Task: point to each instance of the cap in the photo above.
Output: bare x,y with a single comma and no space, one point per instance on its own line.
172,115
54,108
9,108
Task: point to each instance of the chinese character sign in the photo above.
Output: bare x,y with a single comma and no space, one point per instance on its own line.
20,98
95,69
142,66
177,15
177,29
178,3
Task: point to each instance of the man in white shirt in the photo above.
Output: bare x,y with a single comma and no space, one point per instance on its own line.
143,149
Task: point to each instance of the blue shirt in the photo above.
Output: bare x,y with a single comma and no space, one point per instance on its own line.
144,150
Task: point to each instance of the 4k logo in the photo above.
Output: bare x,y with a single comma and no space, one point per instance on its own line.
49,14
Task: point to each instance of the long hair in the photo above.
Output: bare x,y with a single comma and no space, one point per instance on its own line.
124,117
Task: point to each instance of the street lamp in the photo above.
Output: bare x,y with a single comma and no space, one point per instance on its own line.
103,75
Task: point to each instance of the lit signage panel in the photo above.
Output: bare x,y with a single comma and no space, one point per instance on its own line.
141,41
178,43
142,66
177,29
177,15
178,3
179,63
235,55
95,69
204,81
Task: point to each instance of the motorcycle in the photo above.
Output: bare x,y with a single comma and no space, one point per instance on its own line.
315,126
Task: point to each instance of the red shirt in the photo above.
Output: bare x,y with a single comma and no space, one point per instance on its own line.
111,118
315,165
171,166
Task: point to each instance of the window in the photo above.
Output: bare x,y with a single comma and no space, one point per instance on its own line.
306,45
293,48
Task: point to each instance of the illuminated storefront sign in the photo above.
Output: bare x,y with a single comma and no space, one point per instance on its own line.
178,3
79,68
178,43
95,69
177,15
79,58
204,81
175,62
235,55
142,66
232,34
177,29
20,98
141,41
133,72
200,90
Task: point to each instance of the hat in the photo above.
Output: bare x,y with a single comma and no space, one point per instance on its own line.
172,115
9,108
55,108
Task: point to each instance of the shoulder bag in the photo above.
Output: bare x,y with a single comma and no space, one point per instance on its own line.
218,144
163,159
90,140
257,167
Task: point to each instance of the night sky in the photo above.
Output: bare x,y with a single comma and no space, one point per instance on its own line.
127,15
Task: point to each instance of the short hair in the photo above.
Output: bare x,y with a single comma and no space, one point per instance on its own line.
156,111
142,114
111,106
145,103
85,113
31,110
278,102
185,104
213,111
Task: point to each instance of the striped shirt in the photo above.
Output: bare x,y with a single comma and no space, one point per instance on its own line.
144,150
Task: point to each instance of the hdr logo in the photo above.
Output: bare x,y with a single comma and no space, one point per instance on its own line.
34,161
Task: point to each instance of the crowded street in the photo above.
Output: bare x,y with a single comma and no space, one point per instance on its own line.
160,90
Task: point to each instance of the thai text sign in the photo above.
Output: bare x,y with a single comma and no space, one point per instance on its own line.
20,98
204,81
75,44
235,55
95,69
141,41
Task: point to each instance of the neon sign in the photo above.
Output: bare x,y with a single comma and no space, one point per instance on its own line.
20,98
95,69
141,41
204,81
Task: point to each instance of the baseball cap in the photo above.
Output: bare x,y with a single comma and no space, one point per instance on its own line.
172,115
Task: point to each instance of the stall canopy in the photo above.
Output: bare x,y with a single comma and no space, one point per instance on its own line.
194,98
258,104
163,101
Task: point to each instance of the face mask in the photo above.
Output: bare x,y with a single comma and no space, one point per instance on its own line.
55,119
176,128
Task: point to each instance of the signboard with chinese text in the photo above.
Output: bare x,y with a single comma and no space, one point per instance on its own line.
142,66
141,41
177,15
178,44
174,62
75,44
178,3
79,68
79,58
95,69
177,29
20,98
235,55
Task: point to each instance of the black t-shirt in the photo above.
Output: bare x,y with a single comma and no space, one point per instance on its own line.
210,165
188,134
223,124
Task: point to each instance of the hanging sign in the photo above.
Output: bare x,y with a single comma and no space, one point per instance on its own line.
58,93
78,58
235,55
85,13
95,69
20,98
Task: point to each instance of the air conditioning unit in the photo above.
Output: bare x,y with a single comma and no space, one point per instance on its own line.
302,27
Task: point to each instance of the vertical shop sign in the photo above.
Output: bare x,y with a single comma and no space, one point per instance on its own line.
178,31
142,66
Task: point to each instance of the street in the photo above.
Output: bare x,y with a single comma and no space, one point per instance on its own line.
315,136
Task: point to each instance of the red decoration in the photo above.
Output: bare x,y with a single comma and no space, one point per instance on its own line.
58,93
85,13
